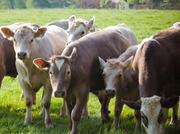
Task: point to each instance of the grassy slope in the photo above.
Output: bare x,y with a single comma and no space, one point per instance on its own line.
143,22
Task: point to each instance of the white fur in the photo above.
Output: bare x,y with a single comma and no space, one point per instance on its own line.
110,77
151,107
59,63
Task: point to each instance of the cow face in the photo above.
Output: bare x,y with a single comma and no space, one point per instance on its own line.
24,38
153,111
59,68
113,72
153,115
78,28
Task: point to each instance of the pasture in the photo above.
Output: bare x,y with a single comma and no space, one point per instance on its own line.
12,110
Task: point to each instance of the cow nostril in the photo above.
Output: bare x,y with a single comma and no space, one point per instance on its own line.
110,93
60,94
21,55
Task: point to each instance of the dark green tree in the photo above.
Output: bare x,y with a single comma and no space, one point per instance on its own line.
20,3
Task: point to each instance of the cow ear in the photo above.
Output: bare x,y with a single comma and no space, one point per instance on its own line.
132,104
102,62
169,102
91,23
7,33
41,64
40,32
73,55
128,62
71,19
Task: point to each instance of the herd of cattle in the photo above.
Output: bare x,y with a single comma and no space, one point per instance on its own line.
70,58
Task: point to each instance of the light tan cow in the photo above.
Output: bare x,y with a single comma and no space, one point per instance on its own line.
79,28
127,32
31,42
62,23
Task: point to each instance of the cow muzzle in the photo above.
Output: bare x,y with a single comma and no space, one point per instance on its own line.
60,94
21,55
110,92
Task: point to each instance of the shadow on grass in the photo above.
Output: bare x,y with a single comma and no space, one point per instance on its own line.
11,121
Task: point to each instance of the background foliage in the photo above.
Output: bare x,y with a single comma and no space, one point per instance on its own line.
21,4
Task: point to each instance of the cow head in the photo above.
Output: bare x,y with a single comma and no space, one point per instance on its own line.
23,38
78,28
59,68
153,112
113,72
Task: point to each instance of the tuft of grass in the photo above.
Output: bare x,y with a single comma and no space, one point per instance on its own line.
12,110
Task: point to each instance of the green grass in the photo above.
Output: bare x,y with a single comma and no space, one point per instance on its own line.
12,110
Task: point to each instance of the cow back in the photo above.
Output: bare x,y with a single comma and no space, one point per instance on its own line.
106,44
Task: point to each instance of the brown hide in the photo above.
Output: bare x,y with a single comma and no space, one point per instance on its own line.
7,58
86,73
104,44
157,62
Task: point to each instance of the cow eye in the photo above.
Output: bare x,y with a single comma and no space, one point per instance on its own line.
144,119
68,72
31,40
50,72
82,32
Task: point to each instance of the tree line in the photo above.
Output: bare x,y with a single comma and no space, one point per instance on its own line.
22,4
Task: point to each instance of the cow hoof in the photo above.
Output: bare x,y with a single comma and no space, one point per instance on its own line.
48,126
27,122
73,132
115,125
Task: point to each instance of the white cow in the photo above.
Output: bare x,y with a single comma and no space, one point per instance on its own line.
30,42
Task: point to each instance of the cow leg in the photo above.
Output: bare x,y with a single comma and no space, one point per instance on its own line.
77,111
137,115
85,109
174,119
29,102
117,112
64,110
2,73
1,78
46,105
42,113
104,100
70,101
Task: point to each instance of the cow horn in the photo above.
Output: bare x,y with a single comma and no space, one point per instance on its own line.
132,104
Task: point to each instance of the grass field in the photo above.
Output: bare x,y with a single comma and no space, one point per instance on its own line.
12,110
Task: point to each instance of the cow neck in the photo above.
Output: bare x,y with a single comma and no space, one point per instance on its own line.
129,78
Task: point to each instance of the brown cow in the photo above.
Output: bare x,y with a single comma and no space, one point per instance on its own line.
157,62
7,59
31,42
77,71
122,81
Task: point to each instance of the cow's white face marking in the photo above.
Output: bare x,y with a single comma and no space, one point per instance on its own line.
59,63
151,114
112,74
